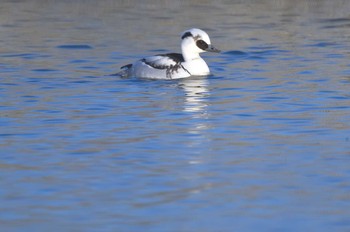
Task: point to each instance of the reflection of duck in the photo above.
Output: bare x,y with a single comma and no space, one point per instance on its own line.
195,104
174,65
196,92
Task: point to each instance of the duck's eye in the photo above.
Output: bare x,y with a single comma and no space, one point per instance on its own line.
202,44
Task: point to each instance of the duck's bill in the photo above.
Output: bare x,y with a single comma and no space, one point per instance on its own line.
211,48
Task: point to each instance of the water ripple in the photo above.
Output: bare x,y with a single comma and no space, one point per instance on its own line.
75,46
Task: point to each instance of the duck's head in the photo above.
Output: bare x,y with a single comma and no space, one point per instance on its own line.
195,41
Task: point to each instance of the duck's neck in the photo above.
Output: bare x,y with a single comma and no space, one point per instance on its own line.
189,54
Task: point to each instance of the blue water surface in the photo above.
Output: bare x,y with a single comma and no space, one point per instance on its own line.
262,144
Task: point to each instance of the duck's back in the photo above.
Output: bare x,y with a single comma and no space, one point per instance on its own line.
163,66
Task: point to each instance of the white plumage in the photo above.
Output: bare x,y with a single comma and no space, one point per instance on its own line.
175,65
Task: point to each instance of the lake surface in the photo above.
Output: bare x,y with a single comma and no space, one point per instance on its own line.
263,144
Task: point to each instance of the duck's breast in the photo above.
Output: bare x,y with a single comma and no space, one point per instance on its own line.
197,67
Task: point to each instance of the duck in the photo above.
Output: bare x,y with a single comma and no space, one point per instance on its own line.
175,65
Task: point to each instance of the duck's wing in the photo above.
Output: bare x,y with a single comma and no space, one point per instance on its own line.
164,61
162,66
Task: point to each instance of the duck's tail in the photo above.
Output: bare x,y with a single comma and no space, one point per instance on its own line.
125,71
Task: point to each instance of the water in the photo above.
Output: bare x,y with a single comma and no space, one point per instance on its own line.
261,145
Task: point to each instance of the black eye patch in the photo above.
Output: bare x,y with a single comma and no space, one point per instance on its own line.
202,44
